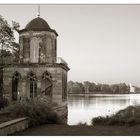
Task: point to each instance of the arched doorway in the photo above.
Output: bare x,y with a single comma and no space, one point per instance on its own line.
47,84
33,84
15,85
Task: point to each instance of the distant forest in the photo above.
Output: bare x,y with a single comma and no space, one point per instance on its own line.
88,87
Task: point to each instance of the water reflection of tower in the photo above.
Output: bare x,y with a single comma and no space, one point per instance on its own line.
134,99
131,96
130,103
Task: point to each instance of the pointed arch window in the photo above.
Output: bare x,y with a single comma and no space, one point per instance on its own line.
15,85
33,84
47,83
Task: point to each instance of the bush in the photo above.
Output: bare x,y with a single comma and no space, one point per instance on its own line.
129,116
115,121
132,121
3,103
108,121
38,111
100,120
82,124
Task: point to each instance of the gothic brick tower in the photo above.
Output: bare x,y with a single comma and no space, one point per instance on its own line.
38,70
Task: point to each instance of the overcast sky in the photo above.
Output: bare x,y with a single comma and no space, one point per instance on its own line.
101,43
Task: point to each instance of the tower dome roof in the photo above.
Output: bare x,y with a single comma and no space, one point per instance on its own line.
38,24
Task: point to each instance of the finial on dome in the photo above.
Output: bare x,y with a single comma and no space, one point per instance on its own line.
38,14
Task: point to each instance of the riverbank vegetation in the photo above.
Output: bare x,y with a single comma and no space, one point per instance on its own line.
88,87
128,116
38,110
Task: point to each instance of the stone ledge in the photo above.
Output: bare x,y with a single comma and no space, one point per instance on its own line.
13,126
36,65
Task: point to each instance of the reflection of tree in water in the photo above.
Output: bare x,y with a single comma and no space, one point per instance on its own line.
81,100
134,99
89,100
88,107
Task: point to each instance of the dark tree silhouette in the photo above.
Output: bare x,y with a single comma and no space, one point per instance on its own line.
8,46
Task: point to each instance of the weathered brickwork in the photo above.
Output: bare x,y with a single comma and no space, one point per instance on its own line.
44,50
57,73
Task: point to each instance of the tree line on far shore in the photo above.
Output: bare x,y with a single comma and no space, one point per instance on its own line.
89,87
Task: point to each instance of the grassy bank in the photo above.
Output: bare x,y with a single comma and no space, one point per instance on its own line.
65,130
128,116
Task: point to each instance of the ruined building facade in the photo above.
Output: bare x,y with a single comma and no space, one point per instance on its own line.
38,71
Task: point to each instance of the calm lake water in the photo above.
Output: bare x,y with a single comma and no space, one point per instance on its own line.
82,108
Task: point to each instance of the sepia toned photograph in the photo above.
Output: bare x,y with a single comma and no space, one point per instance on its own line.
69,70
